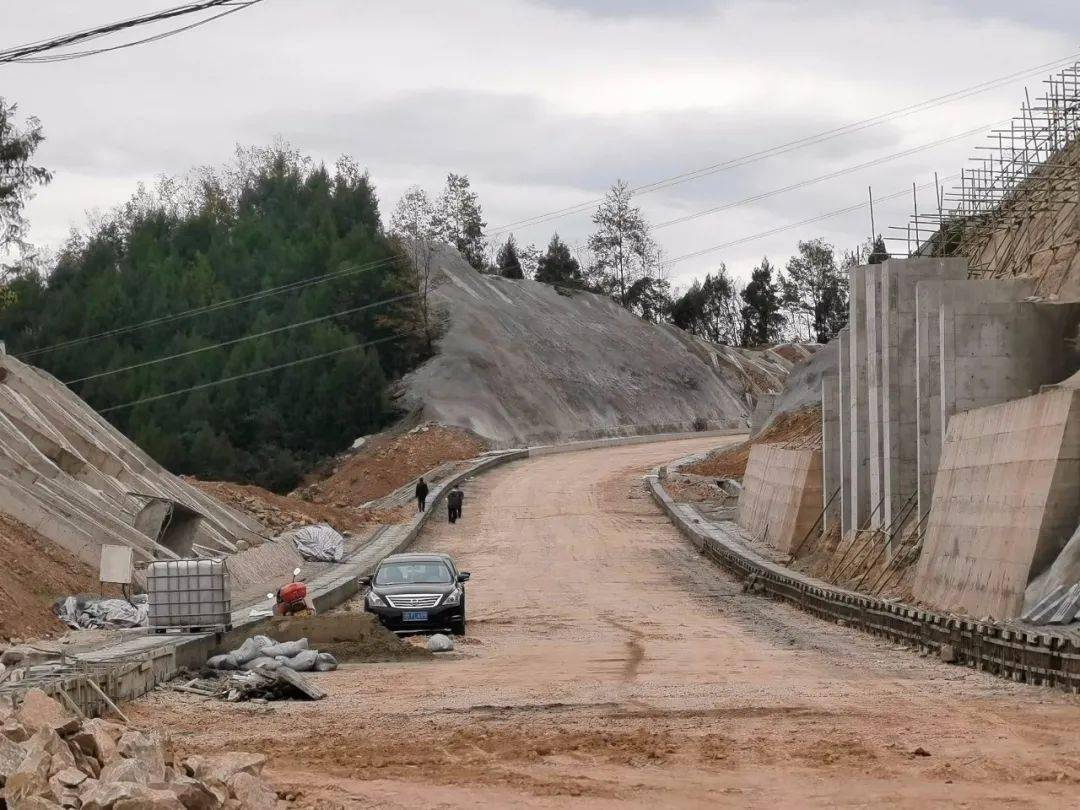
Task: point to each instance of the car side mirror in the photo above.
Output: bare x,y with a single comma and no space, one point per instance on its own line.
463,576
366,581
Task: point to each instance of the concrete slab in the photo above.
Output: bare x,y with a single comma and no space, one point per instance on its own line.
844,420
1006,501
781,498
856,505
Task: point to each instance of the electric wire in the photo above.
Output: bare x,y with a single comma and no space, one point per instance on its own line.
258,295
243,339
810,140
28,52
257,372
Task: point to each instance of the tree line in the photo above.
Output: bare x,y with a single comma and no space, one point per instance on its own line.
274,220
806,299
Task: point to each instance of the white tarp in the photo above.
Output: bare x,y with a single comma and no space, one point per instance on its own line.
88,613
319,542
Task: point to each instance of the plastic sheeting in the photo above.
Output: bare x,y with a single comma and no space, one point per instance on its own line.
88,613
321,543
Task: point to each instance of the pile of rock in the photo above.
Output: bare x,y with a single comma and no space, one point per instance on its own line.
49,759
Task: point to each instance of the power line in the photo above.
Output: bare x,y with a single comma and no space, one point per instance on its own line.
257,372
28,53
830,176
243,339
818,218
810,140
258,295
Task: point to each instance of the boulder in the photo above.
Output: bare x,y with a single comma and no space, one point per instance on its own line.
31,778
11,757
66,786
251,792
49,742
147,750
98,738
84,762
440,643
194,795
14,730
39,711
129,796
124,770
223,767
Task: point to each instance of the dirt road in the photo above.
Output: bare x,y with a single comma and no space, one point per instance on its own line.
607,664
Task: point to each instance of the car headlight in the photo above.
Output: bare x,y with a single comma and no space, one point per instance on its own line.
375,600
453,598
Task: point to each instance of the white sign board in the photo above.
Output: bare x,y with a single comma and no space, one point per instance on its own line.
116,564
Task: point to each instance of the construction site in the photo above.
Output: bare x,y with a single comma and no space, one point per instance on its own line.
785,573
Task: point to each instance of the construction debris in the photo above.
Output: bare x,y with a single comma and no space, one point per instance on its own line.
88,613
261,684
321,543
262,652
49,758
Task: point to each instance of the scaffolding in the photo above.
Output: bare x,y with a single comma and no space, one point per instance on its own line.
1014,211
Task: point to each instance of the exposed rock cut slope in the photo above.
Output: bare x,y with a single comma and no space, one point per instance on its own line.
523,362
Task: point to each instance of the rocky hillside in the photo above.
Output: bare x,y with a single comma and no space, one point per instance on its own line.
524,362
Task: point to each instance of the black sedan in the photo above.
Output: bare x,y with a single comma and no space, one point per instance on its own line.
417,592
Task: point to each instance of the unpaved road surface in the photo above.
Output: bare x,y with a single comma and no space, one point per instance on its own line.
609,665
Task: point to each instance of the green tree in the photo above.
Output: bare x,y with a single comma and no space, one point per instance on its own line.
273,218
558,266
815,290
623,252
763,321
507,262
459,219
18,175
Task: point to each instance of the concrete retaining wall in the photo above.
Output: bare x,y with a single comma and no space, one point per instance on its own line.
831,451
1006,500
781,498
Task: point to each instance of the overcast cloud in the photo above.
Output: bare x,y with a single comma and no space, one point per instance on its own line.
543,103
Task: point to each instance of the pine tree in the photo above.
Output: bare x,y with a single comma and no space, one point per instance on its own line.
761,315
459,220
558,266
507,263
17,175
622,249
816,290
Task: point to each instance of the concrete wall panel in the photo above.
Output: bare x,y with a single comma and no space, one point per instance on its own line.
781,498
1006,500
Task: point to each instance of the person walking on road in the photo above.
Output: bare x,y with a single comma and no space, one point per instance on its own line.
453,503
421,494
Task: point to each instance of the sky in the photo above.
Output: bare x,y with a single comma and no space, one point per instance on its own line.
545,103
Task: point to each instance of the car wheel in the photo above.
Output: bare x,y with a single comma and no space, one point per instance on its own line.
458,628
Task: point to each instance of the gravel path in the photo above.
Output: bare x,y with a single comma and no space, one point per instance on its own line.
607,664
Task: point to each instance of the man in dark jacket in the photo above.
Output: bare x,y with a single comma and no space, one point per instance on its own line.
421,494
454,500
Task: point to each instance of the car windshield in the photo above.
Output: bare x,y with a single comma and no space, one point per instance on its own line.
413,573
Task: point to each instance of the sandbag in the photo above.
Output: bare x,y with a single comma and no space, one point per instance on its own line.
440,643
286,648
251,649
325,662
301,662
222,662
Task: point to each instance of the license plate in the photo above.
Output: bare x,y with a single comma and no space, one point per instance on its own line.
414,616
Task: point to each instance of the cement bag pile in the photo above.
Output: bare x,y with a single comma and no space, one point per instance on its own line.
262,652
319,543
88,613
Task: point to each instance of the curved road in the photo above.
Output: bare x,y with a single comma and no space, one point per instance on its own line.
608,664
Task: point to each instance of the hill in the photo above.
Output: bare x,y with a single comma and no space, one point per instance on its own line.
526,362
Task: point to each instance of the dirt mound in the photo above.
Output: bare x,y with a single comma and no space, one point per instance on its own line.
347,634
796,429
280,513
36,571
385,463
